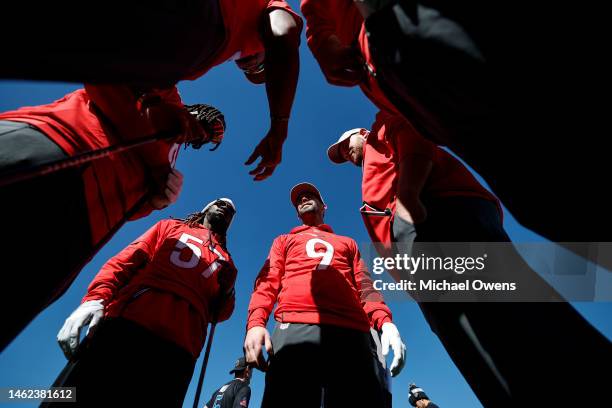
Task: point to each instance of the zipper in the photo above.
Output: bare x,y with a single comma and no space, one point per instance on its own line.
369,209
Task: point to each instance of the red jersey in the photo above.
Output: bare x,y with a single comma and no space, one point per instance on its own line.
113,185
317,277
342,19
392,140
165,281
243,30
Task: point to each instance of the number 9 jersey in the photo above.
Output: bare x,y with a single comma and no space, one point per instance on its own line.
317,277
170,281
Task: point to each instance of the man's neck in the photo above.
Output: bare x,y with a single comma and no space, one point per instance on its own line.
312,221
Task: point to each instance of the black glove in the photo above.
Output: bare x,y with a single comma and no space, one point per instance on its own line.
416,394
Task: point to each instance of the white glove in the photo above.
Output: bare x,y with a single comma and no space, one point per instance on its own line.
391,337
68,337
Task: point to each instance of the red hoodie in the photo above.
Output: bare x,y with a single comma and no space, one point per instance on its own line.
317,277
166,280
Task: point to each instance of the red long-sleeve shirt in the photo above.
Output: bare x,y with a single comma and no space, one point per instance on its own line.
243,30
167,280
317,277
99,116
391,141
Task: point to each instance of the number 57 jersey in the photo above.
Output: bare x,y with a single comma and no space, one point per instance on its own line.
169,280
317,277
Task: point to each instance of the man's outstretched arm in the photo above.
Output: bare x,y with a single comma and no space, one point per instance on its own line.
281,33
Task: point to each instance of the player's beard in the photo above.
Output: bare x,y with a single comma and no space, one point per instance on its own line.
217,222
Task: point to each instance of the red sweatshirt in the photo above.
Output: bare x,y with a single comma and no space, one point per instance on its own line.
100,116
243,28
317,277
342,19
166,280
391,141
392,138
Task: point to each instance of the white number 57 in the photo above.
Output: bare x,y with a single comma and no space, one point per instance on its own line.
196,251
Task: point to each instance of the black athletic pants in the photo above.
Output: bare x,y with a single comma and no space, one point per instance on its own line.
315,364
45,239
150,43
125,364
513,91
511,353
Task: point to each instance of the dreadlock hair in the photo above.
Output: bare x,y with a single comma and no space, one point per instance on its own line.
194,219
213,122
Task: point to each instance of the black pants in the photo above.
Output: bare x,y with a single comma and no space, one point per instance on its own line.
125,364
470,79
511,353
45,228
136,42
315,364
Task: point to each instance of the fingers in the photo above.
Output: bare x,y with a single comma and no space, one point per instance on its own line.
384,342
174,184
262,171
399,357
255,339
268,343
252,157
260,167
62,338
94,322
265,174
172,190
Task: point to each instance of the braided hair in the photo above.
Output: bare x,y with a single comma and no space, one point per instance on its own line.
197,218
213,122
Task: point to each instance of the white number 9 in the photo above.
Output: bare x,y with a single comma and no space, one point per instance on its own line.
326,256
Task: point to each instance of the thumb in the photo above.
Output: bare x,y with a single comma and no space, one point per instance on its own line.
94,321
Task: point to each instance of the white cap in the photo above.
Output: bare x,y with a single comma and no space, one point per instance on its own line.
333,151
227,200
301,188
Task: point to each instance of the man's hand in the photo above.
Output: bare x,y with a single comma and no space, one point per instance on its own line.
391,337
171,190
270,149
341,65
255,338
69,335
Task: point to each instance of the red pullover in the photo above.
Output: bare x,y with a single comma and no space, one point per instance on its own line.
166,281
317,277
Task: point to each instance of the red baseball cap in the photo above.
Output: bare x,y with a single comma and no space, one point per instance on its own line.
303,188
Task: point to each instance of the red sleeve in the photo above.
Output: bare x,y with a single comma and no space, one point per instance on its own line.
320,23
120,106
325,18
267,285
371,300
229,300
407,141
118,270
144,210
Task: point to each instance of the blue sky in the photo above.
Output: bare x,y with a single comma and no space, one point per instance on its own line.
320,114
